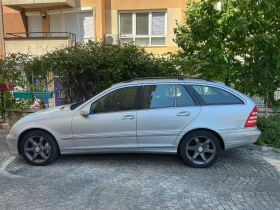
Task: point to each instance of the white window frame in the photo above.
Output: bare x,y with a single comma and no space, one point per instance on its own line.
150,36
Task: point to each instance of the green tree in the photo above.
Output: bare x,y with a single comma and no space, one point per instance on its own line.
244,32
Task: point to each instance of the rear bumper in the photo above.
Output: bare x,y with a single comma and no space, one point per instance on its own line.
240,137
12,143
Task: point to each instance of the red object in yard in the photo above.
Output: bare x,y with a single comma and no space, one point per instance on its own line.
7,87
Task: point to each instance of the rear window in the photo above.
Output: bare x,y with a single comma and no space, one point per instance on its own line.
216,96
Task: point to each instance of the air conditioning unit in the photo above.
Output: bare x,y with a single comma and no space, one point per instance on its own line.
111,38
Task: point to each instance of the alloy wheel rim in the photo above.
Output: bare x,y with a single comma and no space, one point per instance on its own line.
37,149
201,150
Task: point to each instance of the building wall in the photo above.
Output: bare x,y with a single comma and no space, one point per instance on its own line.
1,44
35,45
106,17
14,21
174,10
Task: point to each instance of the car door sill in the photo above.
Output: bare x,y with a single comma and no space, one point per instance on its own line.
169,150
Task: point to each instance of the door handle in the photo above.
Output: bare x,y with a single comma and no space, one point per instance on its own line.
180,114
128,117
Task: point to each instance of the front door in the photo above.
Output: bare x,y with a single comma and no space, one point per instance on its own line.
166,110
111,122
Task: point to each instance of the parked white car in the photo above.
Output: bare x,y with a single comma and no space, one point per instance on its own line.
195,118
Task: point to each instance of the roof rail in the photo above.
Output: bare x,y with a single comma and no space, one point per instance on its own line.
169,77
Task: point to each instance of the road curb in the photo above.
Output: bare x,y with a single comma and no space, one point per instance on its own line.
266,149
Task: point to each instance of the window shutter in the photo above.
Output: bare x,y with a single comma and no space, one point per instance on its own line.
56,25
125,23
142,23
158,23
70,20
86,26
34,25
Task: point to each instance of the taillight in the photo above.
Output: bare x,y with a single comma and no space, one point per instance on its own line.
252,119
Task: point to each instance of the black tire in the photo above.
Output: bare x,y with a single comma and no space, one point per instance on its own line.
48,148
205,153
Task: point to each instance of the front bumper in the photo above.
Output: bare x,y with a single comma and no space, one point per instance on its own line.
12,143
240,137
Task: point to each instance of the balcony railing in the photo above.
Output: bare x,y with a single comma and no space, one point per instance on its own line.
44,35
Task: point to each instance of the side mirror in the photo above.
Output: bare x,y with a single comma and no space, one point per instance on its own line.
84,112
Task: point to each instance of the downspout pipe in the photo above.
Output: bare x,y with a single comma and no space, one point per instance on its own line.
2,29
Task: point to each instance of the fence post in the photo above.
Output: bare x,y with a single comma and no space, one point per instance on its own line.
266,105
228,70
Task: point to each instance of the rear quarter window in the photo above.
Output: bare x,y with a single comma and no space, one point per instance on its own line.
216,96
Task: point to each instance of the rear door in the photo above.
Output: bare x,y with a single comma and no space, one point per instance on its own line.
166,110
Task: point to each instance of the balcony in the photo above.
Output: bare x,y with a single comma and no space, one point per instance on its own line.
20,4
37,43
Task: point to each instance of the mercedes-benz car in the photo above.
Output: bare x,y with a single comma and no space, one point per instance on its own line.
195,118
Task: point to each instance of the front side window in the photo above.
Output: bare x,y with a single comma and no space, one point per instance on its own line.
216,96
123,99
158,96
142,28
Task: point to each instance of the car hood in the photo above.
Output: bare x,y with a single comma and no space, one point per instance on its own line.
47,114
53,109
44,117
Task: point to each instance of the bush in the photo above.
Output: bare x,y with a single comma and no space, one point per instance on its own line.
270,131
11,103
86,69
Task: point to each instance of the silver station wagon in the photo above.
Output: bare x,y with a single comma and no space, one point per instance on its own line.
192,117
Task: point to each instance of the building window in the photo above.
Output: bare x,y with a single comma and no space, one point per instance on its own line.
143,28
34,24
78,22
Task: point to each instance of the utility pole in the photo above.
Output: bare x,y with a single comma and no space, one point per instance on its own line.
2,29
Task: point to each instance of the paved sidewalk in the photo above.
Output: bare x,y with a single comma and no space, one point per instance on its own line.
245,178
4,131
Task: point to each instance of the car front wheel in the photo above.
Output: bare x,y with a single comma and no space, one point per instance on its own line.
39,148
200,149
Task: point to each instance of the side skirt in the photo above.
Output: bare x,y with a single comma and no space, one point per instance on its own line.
172,150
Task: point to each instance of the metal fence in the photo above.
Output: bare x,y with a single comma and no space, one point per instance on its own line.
260,101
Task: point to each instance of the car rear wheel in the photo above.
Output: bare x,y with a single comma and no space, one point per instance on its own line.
200,149
39,148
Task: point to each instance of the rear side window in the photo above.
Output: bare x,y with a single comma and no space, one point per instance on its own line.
183,98
216,96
